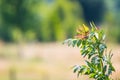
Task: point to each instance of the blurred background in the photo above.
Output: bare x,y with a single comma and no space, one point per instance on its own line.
32,32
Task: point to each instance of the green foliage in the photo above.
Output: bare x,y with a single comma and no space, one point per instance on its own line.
42,20
92,46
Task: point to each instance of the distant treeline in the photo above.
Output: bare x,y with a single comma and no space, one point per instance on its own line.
47,20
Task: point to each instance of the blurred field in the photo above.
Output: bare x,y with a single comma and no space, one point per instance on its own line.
44,61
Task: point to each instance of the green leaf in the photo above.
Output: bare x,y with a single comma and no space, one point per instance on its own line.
80,71
67,41
96,76
93,26
70,42
76,68
74,42
109,70
96,35
91,34
102,46
78,43
92,75
95,60
89,64
83,70
101,35
90,54
84,53
104,68
112,68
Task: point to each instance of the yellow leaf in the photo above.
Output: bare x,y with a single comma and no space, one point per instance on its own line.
86,29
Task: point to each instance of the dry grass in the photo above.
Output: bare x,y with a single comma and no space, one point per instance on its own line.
45,61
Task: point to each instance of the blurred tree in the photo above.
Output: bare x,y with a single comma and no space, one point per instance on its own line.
64,19
16,15
44,20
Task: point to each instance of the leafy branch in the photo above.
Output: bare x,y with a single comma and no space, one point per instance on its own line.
92,46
